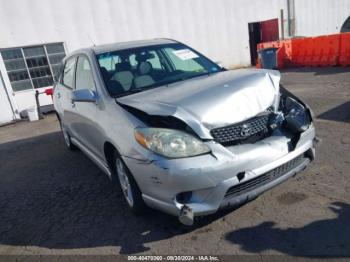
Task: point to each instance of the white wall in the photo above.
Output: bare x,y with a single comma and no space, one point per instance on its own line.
218,28
320,17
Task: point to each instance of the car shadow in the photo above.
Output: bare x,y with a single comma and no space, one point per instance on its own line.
329,237
53,198
340,113
317,71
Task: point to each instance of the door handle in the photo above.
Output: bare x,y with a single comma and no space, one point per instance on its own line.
58,95
73,103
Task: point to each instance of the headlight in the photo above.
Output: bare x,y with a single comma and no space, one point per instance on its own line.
169,142
295,115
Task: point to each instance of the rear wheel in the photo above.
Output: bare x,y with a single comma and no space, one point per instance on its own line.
131,192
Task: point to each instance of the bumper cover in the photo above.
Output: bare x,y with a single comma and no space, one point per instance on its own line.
209,177
238,199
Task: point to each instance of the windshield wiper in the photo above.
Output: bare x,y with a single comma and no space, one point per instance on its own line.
172,81
197,75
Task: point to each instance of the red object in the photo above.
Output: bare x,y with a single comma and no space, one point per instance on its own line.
344,50
269,30
49,91
315,51
258,63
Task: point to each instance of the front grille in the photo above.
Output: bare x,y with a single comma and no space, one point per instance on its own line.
256,128
264,178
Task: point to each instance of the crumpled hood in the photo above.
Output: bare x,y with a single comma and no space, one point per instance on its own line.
211,101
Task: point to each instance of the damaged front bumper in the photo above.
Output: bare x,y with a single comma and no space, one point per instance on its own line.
229,176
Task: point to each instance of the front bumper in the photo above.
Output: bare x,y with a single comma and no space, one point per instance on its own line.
209,177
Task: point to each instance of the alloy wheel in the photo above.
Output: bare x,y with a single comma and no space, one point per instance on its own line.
124,182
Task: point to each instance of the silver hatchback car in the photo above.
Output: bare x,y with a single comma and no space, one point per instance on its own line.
177,132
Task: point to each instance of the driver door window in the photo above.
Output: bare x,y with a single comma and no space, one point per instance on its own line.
68,73
84,78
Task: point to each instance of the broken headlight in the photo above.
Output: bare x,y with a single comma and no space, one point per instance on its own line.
296,115
169,142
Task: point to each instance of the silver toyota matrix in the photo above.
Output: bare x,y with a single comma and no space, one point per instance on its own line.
177,132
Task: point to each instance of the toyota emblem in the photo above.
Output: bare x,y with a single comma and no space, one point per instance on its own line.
245,130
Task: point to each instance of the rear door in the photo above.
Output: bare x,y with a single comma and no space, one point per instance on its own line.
63,93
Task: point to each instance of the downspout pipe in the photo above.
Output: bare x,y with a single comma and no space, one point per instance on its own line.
8,98
288,18
291,17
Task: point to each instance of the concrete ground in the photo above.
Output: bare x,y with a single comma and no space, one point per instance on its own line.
53,201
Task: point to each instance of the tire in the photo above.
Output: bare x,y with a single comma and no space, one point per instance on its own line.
67,139
124,181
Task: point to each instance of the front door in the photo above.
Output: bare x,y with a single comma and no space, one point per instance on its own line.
84,123
64,94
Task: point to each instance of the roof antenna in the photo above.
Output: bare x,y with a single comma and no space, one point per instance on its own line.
91,40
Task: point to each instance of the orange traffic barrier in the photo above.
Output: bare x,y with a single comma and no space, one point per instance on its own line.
344,50
315,51
328,50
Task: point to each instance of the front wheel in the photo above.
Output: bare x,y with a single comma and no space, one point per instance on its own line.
131,192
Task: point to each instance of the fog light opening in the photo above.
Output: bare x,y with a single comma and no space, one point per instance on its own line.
184,197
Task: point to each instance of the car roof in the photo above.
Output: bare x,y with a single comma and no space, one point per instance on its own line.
98,49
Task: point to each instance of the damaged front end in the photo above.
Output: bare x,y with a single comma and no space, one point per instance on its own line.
291,115
199,162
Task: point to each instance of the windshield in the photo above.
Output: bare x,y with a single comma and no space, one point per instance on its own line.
138,69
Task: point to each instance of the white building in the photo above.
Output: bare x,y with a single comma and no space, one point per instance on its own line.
36,34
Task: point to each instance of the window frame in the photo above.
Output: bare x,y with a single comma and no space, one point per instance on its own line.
31,86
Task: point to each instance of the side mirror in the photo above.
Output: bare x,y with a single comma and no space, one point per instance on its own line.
84,95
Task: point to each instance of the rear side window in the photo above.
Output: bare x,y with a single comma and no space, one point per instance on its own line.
68,72
84,78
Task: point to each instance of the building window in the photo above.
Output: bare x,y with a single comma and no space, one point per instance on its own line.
33,67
